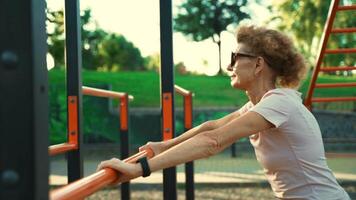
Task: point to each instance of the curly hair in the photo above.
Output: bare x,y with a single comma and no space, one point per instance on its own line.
278,51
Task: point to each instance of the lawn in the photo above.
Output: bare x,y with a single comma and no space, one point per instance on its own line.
209,91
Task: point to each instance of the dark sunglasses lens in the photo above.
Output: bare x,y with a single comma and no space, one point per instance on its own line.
233,59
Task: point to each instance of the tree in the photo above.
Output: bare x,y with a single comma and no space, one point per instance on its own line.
100,49
203,19
306,20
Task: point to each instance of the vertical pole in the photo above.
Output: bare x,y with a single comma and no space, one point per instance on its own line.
74,85
24,101
189,166
124,139
167,92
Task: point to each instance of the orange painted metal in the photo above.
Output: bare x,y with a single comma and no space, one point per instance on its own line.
61,148
344,30
188,112
73,120
90,184
103,93
344,8
336,51
340,155
333,69
124,113
167,107
333,99
181,90
326,33
334,85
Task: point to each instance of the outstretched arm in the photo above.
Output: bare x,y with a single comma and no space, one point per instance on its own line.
202,145
158,147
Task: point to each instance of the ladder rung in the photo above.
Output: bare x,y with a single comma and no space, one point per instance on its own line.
334,85
335,51
350,7
333,69
333,99
344,30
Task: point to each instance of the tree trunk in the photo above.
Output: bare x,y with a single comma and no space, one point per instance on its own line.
220,70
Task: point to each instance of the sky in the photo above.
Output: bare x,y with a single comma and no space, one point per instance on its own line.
138,21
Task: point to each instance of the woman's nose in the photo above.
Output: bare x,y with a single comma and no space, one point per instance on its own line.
229,68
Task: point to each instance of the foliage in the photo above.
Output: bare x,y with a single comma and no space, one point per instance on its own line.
203,19
100,49
306,20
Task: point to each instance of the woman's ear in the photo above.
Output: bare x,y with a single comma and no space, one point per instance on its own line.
259,65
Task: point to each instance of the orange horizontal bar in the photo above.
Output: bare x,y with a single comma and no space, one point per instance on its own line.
332,69
333,99
61,148
344,30
90,184
103,93
182,91
335,51
334,85
350,7
340,155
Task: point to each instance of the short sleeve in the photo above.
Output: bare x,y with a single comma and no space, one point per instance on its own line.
275,108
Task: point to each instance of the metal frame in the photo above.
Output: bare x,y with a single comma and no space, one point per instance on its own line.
24,101
74,85
167,93
328,29
188,124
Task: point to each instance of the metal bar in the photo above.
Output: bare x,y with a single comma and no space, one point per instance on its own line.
336,51
344,30
324,39
334,85
333,69
167,92
61,148
90,184
340,155
74,86
182,91
344,8
333,99
103,93
124,140
24,101
189,166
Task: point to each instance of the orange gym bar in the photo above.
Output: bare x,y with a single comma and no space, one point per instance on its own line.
343,8
333,99
344,30
333,85
90,184
103,93
333,69
335,51
61,148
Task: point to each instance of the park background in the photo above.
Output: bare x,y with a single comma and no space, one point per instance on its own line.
120,52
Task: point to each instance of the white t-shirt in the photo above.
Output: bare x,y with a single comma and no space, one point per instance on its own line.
292,154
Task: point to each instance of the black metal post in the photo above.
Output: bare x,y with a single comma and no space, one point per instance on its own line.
124,139
167,92
189,166
24,101
74,84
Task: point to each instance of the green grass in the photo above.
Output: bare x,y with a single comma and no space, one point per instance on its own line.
209,91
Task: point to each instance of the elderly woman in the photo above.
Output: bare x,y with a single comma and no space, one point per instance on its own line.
285,135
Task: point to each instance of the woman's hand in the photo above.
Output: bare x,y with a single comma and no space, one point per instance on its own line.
155,147
126,171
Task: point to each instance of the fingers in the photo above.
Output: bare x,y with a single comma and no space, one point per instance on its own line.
112,163
145,147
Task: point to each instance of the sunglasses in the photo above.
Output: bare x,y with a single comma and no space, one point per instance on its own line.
237,55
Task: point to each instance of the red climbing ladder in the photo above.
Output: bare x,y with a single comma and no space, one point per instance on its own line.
334,8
